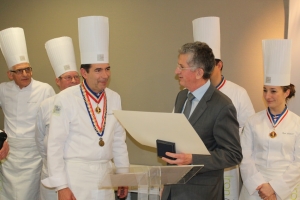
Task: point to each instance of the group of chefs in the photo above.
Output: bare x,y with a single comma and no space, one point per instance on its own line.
60,144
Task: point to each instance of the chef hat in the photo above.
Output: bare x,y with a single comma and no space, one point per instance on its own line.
207,29
61,55
93,39
277,62
13,46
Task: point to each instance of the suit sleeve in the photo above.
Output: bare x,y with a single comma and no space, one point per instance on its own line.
227,150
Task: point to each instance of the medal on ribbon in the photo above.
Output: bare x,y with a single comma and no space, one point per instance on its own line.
275,121
86,94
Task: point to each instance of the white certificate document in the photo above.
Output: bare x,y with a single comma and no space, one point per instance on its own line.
147,127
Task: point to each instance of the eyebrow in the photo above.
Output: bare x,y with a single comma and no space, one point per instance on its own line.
270,88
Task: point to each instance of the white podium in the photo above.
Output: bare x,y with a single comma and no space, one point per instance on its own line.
148,180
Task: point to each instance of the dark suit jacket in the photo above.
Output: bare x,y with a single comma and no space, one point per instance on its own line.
214,119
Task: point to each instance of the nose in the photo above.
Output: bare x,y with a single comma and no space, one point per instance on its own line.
24,72
177,71
267,95
105,74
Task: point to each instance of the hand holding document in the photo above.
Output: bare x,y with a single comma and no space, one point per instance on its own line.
147,127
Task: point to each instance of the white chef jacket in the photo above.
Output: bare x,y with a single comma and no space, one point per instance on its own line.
73,141
240,100
41,138
273,160
244,108
20,171
20,106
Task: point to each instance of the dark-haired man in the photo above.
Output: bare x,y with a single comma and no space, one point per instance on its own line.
84,135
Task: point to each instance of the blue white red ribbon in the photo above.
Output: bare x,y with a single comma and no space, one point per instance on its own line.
221,84
86,94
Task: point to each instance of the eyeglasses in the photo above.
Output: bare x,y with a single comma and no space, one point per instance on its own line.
180,68
20,71
70,78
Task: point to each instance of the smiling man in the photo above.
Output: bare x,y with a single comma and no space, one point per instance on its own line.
213,117
207,29
61,55
84,135
19,100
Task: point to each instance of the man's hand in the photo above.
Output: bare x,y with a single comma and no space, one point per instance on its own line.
66,194
265,190
122,192
4,150
181,158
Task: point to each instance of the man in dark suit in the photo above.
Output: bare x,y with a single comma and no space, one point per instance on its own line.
213,116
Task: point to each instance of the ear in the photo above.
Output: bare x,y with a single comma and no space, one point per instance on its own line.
83,73
10,75
57,81
287,93
199,73
220,65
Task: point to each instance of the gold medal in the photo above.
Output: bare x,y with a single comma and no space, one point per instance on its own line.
272,134
101,142
98,110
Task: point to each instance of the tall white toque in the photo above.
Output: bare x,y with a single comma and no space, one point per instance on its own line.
207,29
277,62
93,34
13,46
61,55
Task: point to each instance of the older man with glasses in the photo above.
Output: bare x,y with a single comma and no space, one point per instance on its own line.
19,100
62,58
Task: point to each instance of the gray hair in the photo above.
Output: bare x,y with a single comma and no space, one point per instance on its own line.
201,56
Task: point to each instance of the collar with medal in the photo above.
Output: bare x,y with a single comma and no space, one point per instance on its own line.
86,93
275,120
221,84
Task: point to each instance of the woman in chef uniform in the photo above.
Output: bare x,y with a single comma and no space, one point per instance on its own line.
270,140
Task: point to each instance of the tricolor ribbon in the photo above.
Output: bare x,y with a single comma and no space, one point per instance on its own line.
221,84
86,94
277,121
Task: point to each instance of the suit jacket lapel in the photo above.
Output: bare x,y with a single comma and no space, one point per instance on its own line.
202,105
180,100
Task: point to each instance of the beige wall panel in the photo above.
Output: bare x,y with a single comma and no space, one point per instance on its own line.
144,39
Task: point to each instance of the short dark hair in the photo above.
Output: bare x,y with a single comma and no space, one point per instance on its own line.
290,87
217,61
86,67
202,57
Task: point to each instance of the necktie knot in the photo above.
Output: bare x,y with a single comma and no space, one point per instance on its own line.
188,105
191,97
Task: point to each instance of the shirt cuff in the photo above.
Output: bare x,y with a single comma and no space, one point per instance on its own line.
253,182
280,188
61,187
